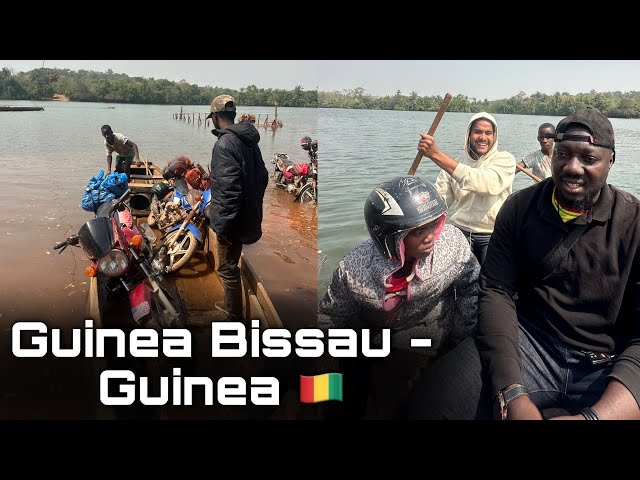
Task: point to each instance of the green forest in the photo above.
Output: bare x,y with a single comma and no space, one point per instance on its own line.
612,104
110,87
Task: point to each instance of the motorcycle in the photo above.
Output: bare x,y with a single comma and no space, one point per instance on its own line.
299,179
181,239
288,174
122,259
308,193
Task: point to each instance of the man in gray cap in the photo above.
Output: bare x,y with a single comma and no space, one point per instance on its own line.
238,182
559,298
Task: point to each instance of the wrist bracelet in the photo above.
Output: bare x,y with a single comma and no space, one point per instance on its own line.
589,414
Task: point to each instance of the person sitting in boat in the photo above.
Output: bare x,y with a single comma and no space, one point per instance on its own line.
559,300
126,151
416,276
539,161
478,182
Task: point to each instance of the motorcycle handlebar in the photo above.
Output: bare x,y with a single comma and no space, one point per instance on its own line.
59,245
72,240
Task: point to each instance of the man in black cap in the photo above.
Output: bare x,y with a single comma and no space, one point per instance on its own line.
238,182
559,299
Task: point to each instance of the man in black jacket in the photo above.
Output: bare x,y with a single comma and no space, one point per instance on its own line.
238,182
559,299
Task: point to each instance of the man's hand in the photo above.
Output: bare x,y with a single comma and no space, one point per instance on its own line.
427,146
522,408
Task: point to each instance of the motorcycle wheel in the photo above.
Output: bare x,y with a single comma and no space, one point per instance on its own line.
113,304
182,250
307,195
159,317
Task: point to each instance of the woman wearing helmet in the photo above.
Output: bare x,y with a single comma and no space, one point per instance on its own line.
416,276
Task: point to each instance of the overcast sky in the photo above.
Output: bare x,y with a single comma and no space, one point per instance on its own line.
491,79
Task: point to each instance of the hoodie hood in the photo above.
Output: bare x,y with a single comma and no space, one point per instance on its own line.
245,132
478,186
494,147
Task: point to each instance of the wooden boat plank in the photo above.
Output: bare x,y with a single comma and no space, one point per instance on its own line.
270,312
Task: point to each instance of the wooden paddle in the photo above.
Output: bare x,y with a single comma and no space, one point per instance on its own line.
522,169
146,165
432,130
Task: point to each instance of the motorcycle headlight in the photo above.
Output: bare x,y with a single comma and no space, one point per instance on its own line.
114,263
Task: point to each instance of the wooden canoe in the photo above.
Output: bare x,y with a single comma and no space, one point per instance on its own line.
140,183
15,108
199,287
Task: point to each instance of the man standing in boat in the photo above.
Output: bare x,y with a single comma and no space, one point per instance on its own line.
238,181
479,181
126,150
559,298
539,161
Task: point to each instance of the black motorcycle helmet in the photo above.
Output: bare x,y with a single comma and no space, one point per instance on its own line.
305,143
397,205
160,190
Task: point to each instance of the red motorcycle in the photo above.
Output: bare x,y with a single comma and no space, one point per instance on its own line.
301,178
308,193
122,258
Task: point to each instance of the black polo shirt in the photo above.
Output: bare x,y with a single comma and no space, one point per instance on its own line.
590,299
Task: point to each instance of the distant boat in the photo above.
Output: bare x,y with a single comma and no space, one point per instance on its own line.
15,108
111,107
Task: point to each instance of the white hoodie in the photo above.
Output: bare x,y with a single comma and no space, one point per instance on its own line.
479,186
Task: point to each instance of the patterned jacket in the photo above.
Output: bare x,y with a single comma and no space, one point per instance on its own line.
441,303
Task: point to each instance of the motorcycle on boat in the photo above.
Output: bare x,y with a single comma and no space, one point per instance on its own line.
183,217
122,260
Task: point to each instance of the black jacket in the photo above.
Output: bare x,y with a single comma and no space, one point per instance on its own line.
238,181
590,300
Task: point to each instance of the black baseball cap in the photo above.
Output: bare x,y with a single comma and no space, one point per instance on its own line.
599,126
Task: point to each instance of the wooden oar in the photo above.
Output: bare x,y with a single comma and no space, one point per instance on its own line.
146,165
432,130
537,179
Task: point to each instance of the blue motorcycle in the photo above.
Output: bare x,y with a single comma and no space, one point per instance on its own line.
181,240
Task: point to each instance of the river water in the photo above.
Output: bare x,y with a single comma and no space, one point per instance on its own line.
46,159
366,147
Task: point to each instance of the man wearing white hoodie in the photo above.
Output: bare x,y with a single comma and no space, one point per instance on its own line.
479,181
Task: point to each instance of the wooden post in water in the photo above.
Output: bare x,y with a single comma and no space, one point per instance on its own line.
180,113
276,110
